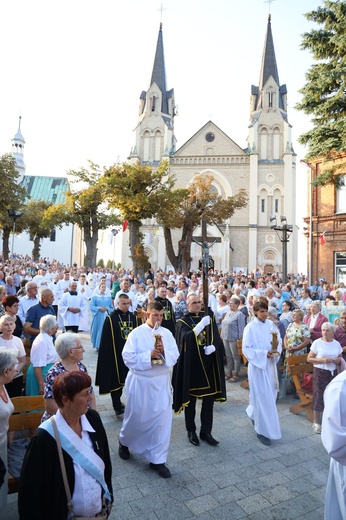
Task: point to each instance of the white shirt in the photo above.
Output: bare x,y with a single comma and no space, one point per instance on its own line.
43,351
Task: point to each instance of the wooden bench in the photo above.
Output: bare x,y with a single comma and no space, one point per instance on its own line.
27,415
297,365
245,383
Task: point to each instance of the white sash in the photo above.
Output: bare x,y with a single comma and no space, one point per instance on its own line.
78,451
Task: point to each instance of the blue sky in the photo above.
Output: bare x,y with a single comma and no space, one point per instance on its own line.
74,70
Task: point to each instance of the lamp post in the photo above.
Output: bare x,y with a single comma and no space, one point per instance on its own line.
13,214
285,230
114,233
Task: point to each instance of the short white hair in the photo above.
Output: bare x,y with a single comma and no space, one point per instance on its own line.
47,323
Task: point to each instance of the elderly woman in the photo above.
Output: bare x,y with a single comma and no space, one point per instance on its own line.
42,356
221,310
70,351
296,341
9,341
8,370
315,320
11,306
85,453
180,307
325,354
232,330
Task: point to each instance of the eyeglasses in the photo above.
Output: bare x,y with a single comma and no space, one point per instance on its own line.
75,348
195,303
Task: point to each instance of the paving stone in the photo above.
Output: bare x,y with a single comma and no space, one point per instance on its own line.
202,504
253,503
202,487
282,511
278,493
228,494
227,512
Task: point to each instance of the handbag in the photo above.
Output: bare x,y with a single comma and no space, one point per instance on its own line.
106,508
306,383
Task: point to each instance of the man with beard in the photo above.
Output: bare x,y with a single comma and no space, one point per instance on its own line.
168,321
199,372
111,371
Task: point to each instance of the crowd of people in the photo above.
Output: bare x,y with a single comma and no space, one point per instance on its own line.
155,339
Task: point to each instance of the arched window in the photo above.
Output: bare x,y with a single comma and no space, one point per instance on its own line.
264,144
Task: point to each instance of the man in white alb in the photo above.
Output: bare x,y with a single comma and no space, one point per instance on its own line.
147,421
262,374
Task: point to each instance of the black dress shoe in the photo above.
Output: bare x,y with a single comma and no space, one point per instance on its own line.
207,437
193,438
161,469
264,440
120,411
123,452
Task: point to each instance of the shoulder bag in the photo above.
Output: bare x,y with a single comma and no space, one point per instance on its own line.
106,509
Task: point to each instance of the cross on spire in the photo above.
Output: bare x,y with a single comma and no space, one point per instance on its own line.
161,12
269,2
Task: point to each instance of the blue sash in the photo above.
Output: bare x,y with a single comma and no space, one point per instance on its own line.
79,457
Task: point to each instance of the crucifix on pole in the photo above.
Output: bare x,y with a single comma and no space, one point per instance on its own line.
206,243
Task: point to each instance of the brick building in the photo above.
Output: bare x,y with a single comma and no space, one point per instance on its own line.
327,217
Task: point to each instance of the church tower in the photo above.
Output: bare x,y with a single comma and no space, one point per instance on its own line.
18,143
155,138
272,166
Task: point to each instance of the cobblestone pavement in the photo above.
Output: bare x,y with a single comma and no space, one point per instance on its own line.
238,479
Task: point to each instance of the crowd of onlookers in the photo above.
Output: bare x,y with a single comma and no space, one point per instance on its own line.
39,298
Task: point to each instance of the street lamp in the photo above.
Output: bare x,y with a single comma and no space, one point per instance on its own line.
13,214
285,230
114,233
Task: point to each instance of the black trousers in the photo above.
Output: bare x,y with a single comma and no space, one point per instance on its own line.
206,414
71,328
116,399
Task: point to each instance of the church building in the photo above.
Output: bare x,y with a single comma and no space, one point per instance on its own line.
265,168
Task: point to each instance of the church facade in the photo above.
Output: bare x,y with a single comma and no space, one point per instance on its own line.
265,168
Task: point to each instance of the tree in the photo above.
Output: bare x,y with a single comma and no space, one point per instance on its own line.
324,92
187,208
37,224
138,193
12,196
85,206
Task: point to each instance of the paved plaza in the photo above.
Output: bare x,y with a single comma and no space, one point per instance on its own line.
239,479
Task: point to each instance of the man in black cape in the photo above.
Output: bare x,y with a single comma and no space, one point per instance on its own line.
111,371
168,321
199,372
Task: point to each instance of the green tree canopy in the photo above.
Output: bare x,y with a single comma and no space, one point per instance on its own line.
324,96
86,207
186,208
138,193
12,196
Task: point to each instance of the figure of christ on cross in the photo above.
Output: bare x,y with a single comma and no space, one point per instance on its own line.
206,243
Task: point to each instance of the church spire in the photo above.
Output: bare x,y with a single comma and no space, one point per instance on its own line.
18,143
155,138
269,66
159,73
269,94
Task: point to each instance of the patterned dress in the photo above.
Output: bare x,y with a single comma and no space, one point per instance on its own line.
295,336
57,369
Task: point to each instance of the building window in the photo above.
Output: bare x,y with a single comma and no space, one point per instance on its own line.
340,267
263,205
276,206
341,196
53,235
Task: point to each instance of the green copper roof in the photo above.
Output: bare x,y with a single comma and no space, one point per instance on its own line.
50,189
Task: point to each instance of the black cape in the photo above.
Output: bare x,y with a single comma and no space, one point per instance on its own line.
196,373
111,371
168,321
